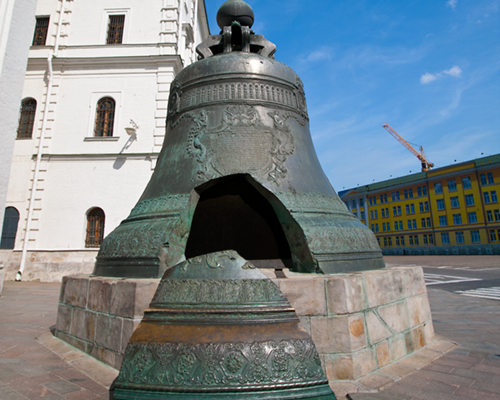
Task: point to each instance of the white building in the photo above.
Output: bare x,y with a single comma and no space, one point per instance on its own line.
106,68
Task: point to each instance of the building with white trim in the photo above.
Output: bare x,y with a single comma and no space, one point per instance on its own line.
106,68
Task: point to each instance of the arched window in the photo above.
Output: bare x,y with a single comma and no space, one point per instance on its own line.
26,118
9,230
105,117
95,228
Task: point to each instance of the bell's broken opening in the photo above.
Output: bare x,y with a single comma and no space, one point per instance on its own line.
232,214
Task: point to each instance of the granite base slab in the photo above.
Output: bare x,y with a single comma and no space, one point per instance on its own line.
360,322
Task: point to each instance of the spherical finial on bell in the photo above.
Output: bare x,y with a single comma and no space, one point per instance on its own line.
235,10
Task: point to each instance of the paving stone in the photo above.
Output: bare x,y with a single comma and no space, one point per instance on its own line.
478,354
421,358
81,395
29,370
487,368
441,345
342,388
49,396
62,386
448,378
376,381
398,370
475,394
423,389
11,394
98,372
479,375
446,369
6,372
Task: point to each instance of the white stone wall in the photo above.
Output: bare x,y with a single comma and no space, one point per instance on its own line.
17,19
78,171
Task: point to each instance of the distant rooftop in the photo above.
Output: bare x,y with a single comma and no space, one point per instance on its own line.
494,159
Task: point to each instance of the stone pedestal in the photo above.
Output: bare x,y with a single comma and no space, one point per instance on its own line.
98,315
359,322
364,321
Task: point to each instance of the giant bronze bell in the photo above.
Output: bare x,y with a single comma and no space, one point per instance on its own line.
217,328
238,171
237,186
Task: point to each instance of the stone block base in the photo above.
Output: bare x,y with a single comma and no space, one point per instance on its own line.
98,315
48,266
360,322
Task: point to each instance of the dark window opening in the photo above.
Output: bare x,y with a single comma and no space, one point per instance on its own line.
41,29
115,29
9,229
105,117
233,215
26,119
95,228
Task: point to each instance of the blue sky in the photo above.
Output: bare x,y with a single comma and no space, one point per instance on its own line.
430,68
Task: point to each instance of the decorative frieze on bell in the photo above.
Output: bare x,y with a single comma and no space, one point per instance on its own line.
217,328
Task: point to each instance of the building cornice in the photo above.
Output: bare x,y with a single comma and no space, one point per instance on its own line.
131,61
97,156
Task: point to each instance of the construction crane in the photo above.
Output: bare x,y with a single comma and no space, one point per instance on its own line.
426,165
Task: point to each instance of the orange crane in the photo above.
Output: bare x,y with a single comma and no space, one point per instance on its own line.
426,165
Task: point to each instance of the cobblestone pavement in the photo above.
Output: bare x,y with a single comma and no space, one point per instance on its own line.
28,369
472,370
453,262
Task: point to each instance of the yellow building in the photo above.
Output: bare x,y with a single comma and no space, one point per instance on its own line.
448,210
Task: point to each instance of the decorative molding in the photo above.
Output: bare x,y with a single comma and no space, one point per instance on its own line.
221,366
232,291
240,144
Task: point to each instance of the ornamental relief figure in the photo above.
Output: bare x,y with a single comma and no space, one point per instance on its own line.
240,143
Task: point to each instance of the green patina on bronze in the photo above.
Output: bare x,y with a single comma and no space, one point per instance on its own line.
218,328
239,113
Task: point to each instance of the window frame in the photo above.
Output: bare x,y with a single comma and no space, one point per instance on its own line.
445,235
117,126
104,121
467,198
31,117
475,236
44,30
109,12
90,240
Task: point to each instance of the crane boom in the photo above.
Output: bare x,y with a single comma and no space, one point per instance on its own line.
426,165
